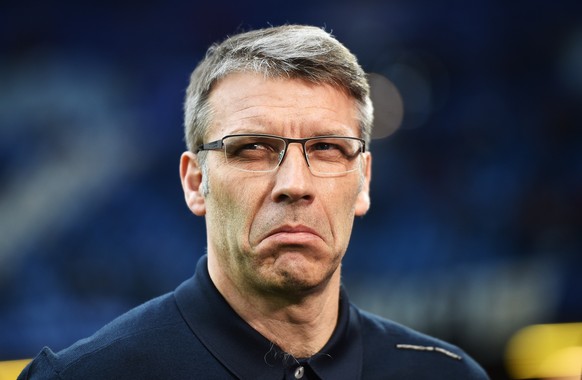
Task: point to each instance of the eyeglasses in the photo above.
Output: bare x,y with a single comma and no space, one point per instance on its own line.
264,153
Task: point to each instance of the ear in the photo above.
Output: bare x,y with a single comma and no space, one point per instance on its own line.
191,177
363,200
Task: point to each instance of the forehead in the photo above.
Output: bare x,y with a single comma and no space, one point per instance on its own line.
252,103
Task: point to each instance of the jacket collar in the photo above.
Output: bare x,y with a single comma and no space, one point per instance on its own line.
248,354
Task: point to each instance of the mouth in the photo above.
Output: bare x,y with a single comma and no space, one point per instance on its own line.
293,235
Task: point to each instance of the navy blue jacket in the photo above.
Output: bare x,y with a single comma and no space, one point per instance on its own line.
192,333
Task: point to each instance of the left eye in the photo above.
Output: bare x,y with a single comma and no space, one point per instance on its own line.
324,146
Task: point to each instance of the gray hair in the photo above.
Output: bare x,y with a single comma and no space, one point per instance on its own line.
289,51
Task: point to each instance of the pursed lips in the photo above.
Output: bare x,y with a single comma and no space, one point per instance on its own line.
298,232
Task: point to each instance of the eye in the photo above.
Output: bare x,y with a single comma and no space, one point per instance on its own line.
248,147
329,147
255,146
324,146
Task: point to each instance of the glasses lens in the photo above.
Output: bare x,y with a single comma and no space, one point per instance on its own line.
333,155
253,153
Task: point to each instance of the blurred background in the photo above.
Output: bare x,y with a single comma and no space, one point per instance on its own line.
475,230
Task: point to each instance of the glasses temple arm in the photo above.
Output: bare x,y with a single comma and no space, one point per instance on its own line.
214,145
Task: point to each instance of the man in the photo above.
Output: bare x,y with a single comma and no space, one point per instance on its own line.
277,125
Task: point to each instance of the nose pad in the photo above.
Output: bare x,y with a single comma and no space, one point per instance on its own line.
285,152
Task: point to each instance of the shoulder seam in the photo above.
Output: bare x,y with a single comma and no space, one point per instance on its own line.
429,348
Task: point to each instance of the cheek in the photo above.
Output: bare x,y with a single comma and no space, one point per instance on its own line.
345,218
232,209
340,204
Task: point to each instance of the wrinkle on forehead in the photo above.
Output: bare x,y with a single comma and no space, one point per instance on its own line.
250,103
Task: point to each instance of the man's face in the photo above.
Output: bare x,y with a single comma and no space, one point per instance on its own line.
286,230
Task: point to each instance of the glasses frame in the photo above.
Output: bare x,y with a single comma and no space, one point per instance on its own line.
219,145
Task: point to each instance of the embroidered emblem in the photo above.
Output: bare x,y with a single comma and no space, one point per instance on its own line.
429,348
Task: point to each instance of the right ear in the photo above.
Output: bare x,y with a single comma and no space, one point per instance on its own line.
191,177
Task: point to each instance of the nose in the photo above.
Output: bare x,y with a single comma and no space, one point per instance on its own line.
293,179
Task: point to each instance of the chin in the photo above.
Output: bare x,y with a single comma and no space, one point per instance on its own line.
291,287
301,279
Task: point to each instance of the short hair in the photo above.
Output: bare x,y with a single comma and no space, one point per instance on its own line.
289,51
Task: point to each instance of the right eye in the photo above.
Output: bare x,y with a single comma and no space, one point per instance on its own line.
253,146
242,148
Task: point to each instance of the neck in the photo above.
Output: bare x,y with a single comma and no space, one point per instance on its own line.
300,324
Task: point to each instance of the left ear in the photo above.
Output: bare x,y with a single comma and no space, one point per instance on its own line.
363,200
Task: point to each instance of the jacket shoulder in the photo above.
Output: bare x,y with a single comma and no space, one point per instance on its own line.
392,350
129,342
